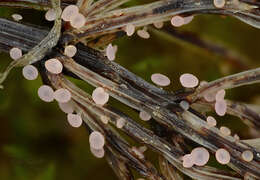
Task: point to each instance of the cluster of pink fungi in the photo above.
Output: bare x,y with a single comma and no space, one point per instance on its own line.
198,156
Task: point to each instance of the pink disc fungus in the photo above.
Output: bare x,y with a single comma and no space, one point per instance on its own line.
188,19
17,17
130,29
78,21
96,140
177,21
62,95
99,96
70,50
30,72
160,79
66,107
200,156
222,156
158,25
104,119
236,137
15,53
189,80
50,15
54,66
144,116
143,34
220,95
120,123
211,121
111,52
74,120
45,93
219,3
221,107
225,130
210,96
69,12
187,161
98,153
247,155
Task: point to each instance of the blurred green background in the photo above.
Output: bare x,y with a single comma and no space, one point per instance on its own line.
36,141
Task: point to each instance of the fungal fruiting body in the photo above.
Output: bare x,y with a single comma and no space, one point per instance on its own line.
144,116
236,137
50,15
30,72
130,29
62,95
188,19
96,140
111,52
222,156
104,119
220,95
143,34
99,96
74,120
211,121
219,3
221,107
120,123
69,12
187,161
98,153
54,66
78,21
247,155
158,25
189,80
200,156
177,21
160,79
70,50
210,96
46,93
66,107
225,130
15,53
17,17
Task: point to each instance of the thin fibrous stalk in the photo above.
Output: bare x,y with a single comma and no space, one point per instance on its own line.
119,166
157,11
84,5
241,110
212,141
169,171
102,6
138,132
236,80
230,56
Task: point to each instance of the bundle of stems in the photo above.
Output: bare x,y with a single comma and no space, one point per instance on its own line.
103,25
